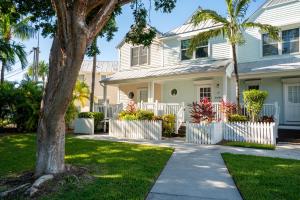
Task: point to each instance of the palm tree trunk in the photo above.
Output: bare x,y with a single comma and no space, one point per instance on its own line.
2,73
237,80
93,83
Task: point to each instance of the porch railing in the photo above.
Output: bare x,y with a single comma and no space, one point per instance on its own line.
110,111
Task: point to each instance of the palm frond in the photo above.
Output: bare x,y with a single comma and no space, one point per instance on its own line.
19,51
230,8
273,31
22,30
205,36
241,7
208,15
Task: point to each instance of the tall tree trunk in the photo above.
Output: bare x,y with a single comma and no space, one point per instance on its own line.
93,81
64,64
237,80
2,72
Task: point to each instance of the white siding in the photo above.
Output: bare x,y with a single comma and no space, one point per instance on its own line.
155,56
285,16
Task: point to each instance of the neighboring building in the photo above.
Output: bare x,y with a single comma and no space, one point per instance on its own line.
103,70
166,73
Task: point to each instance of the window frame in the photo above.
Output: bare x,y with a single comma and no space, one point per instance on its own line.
263,45
139,56
194,56
291,41
279,44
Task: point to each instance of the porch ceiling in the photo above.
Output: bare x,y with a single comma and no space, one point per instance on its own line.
183,69
267,67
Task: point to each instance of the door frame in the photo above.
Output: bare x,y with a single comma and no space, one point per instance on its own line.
285,102
139,93
204,86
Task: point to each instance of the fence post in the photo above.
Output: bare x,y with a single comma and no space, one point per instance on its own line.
156,108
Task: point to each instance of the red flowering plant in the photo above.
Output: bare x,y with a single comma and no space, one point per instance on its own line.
131,107
227,108
202,111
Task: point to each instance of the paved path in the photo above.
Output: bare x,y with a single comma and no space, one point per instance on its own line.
198,171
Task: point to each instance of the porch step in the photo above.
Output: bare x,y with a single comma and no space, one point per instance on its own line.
288,135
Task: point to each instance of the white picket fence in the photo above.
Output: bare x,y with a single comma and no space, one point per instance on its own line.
213,133
137,129
203,133
261,133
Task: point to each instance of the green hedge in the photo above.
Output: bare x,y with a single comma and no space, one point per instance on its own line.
237,118
138,115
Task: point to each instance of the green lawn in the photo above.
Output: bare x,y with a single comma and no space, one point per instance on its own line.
249,145
264,178
120,170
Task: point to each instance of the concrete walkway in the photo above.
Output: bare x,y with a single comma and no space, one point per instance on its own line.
198,171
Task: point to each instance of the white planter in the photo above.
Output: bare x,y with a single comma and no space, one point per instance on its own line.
84,126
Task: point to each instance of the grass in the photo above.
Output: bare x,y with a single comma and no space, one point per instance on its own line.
120,170
250,145
264,178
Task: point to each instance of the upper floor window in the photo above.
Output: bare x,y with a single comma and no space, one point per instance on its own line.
184,50
270,46
201,50
290,41
139,55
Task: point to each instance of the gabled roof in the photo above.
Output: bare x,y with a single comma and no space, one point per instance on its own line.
277,2
102,66
182,69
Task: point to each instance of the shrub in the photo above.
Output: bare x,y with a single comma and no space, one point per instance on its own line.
137,115
237,118
131,107
202,111
254,101
168,123
71,113
228,108
267,119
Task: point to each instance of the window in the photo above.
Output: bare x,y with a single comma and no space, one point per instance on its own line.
139,55
270,46
143,95
184,48
173,92
290,41
205,92
202,50
253,87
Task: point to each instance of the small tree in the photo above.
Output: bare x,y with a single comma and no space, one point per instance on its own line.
254,102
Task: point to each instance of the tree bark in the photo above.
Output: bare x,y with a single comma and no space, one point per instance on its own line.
2,73
67,52
237,80
93,81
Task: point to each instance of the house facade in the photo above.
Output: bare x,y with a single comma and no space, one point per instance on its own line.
164,72
104,69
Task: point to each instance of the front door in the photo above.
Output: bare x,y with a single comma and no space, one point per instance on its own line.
143,95
292,103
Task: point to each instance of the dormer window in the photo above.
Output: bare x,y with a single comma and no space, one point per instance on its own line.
290,41
139,55
270,46
200,52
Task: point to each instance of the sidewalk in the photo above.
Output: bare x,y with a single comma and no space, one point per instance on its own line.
198,171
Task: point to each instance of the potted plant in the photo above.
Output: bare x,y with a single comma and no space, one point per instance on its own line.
87,121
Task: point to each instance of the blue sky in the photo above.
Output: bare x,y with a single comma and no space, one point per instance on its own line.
163,22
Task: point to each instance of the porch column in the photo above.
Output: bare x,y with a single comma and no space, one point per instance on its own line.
151,92
225,87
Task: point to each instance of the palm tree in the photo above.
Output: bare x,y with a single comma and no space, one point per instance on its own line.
10,29
42,71
231,27
81,93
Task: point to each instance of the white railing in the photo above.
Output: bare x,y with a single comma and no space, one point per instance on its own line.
161,108
267,110
139,129
254,132
204,133
111,110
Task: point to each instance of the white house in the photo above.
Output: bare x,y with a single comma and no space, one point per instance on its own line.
164,72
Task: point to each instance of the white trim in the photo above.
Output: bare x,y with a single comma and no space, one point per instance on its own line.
204,86
204,82
291,80
285,106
